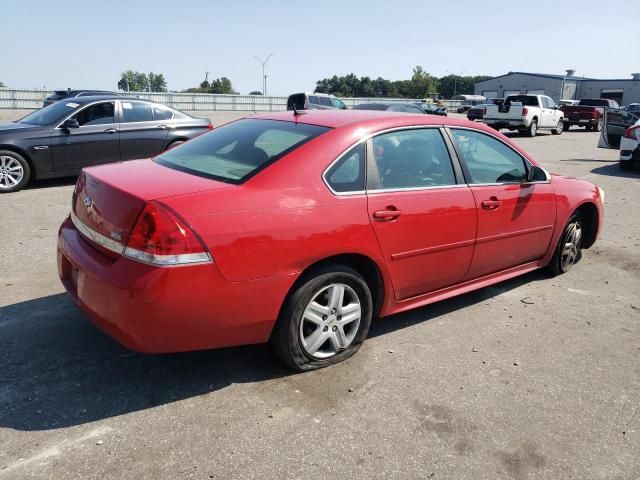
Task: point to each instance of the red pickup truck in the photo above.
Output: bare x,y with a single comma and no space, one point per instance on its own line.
587,113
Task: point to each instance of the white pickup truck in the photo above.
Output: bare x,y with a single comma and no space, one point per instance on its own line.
527,114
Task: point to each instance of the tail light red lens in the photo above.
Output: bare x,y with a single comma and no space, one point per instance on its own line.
524,111
210,126
161,238
632,132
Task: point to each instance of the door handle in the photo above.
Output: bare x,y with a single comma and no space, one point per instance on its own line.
111,130
162,127
388,214
491,204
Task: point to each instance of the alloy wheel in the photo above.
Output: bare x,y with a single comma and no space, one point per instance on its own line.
571,247
11,172
330,321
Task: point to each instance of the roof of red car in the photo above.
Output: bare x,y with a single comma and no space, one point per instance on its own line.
340,118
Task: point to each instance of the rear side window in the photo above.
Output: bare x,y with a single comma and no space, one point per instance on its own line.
235,152
136,112
347,175
314,99
162,113
415,158
325,101
488,160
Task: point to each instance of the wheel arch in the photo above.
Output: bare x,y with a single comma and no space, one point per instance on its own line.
174,140
591,221
362,264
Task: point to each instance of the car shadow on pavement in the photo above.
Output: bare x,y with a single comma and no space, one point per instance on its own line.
613,170
57,370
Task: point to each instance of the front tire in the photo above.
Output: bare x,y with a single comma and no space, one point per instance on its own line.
559,128
324,320
15,171
568,250
533,128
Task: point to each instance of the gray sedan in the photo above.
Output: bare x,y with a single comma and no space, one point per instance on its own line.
62,138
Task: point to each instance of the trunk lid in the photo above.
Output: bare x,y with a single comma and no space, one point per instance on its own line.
108,199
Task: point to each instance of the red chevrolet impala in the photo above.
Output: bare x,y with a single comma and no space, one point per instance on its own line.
298,228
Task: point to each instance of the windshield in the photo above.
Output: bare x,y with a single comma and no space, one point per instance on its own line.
51,114
237,151
526,100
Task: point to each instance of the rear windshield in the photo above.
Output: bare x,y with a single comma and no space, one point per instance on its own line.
594,102
235,152
526,100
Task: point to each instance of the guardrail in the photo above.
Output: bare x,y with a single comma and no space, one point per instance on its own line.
33,99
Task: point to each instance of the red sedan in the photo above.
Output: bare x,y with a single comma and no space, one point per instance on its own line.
299,228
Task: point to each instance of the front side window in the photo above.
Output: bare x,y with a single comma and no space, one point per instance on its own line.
487,159
234,152
97,114
136,112
412,159
347,175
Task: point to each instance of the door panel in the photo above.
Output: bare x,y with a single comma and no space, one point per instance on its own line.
430,244
140,135
515,218
424,220
515,226
615,124
96,141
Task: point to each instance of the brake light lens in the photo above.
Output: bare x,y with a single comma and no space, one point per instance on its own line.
632,132
160,237
210,126
524,111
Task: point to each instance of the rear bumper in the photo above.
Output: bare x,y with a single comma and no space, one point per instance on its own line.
502,123
166,309
629,150
581,121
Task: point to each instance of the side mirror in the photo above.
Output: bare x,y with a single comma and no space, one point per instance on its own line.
70,123
537,174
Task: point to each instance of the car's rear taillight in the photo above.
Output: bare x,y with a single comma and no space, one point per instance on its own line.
524,111
210,126
160,237
632,133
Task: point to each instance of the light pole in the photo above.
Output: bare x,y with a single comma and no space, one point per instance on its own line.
455,80
264,77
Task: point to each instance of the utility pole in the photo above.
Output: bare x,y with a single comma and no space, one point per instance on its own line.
455,81
264,77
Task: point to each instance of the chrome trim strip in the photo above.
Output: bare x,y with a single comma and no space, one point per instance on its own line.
166,260
96,237
415,189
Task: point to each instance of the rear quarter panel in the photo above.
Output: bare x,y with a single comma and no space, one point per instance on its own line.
283,219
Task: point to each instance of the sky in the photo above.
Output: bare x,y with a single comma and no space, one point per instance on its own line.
87,44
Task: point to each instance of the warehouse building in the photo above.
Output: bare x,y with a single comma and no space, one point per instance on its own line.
567,86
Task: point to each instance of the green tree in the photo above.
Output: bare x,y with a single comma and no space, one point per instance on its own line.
131,81
2,85
422,84
255,92
219,85
156,82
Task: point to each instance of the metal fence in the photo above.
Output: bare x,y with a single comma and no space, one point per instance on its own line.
33,99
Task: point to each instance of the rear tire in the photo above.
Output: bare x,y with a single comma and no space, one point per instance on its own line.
598,126
313,330
15,171
568,250
533,128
